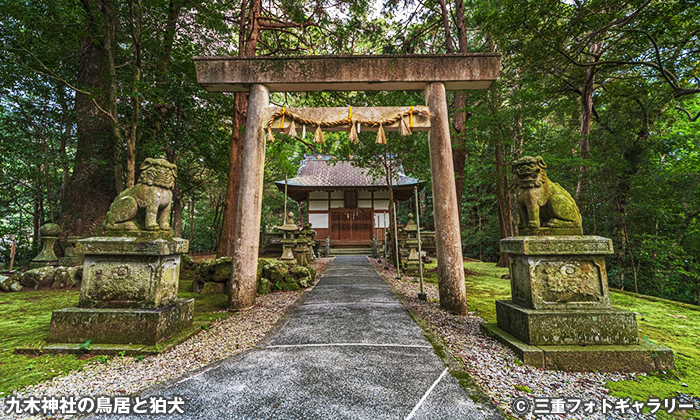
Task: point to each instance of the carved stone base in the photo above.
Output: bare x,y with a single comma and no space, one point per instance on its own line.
129,273
142,235
642,357
558,272
412,267
120,326
554,327
73,261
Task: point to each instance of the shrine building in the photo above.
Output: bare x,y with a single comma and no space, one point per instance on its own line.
344,202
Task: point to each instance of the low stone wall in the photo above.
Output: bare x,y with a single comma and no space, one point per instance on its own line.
212,275
43,278
270,244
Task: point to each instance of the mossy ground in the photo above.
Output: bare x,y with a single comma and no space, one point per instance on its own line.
682,335
25,319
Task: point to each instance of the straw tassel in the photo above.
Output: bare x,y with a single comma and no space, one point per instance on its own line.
403,127
291,129
270,138
381,137
318,138
353,134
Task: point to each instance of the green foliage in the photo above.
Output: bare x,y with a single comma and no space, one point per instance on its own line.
523,388
85,347
666,269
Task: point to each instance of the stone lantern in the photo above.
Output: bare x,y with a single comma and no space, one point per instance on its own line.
303,249
413,261
288,241
49,236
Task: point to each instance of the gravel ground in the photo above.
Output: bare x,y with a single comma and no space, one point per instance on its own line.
494,366
127,375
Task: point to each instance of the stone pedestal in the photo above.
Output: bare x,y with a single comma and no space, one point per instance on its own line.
71,258
560,311
287,249
301,251
128,293
413,260
411,230
49,236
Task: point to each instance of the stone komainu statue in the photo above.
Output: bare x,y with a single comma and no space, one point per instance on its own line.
542,202
146,205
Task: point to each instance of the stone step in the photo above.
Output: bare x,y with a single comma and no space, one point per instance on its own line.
351,251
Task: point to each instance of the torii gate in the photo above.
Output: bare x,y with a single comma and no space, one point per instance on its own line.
432,73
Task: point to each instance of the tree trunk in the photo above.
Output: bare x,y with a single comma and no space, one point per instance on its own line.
584,146
66,118
247,42
37,218
459,154
505,217
584,135
93,173
225,244
393,210
191,208
177,212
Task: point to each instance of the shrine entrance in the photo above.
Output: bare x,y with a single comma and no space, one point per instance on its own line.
351,228
432,73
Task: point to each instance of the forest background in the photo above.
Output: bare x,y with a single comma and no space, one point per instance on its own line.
607,92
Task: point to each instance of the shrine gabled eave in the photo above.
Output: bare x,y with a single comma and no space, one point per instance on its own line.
323,172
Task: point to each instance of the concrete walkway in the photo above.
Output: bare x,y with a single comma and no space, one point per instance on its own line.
349,351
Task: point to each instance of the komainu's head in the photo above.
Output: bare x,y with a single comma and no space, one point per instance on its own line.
529,172
158,172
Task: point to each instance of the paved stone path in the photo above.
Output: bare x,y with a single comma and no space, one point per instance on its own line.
349,351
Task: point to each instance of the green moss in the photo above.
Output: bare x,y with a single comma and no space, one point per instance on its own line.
682,335
290,287
25,318
438,348
469,385
523,388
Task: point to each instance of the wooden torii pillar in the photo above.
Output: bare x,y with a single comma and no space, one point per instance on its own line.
432,73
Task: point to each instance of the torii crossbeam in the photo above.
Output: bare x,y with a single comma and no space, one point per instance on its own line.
431,73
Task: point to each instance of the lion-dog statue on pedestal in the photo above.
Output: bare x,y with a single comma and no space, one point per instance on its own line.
541,202
146,205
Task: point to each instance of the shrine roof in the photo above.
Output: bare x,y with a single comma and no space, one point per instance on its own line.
325,171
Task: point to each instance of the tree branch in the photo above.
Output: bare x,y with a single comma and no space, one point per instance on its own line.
690,118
